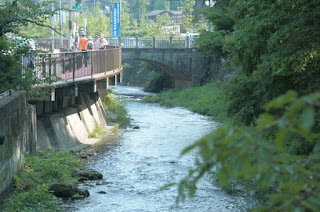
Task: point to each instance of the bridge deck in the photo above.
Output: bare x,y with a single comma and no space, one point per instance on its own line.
61,69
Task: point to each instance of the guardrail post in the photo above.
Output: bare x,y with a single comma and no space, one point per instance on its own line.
137,42
119,41
154,42
188,42
73,66
50,64
170,43
92,61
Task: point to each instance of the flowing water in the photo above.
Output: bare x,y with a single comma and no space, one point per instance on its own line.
147,158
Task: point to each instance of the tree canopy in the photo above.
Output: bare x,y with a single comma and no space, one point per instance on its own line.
273,149
13,15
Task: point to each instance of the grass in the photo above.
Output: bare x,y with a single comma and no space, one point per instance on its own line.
209,100
31,194
96,132
115,105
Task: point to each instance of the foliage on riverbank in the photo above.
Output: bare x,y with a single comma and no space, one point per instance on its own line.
209,99
96,132
115,106
31,193
261,154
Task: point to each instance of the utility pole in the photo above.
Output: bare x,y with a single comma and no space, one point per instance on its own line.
52,26
70,26
60,25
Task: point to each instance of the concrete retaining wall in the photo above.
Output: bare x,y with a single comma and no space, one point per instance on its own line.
18,136
69,127
22,130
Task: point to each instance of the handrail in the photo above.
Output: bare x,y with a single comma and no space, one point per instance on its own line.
73,65
137,42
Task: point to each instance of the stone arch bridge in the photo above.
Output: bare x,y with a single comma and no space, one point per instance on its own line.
174,55
185,66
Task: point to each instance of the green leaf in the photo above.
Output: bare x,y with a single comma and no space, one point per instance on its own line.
307,118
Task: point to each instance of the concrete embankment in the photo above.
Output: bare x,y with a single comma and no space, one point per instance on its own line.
24,128
70,127
17,136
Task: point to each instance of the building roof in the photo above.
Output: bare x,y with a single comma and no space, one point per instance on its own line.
155,12
175,12
160,12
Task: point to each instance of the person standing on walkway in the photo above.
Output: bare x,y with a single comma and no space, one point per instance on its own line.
96,43
103,42
83,43
83,47
90,43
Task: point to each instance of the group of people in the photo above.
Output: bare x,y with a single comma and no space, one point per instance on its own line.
86,44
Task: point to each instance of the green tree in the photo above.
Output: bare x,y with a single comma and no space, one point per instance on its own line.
258,156
143,10
96,22
275,44
187,14
15,14
167,6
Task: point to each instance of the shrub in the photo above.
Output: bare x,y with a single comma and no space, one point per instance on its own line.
115,105
51,166
259,154
209,99
47,167
34,200
97,130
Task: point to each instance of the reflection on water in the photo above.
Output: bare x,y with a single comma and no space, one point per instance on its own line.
149,157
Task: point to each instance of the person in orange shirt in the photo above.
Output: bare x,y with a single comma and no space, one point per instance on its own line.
83,43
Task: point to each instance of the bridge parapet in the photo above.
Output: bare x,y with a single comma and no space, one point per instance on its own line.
151,42
133,42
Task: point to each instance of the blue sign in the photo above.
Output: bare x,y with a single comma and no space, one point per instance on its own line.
115,20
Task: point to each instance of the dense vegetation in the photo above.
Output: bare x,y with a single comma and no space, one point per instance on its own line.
13,17
273,147
209,100
111,103
276,45
31,193
134,21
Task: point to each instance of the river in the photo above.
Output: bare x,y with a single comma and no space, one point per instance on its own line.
147,158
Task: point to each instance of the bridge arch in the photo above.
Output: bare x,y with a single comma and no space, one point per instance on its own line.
183,65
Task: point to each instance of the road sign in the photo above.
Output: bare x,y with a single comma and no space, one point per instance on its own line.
115,20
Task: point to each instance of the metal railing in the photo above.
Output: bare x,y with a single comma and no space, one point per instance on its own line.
44,43
73,65
151,42
132,42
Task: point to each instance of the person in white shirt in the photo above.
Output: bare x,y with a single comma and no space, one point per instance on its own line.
103,42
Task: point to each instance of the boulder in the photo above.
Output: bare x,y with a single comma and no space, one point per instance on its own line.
89,175
66,191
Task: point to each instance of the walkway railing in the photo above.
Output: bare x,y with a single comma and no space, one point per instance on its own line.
74,65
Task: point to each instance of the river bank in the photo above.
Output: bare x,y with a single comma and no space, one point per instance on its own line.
268,159
33,187
147,157
209,100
